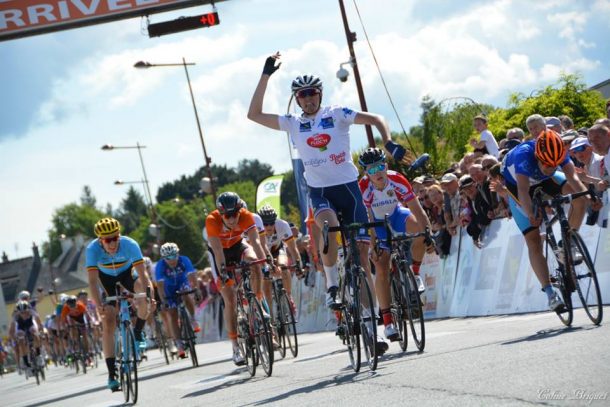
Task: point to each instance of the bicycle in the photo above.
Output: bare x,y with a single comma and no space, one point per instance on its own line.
160,338
36,369
569,273
186,329
406,305
283,320
79,353
253,329
357,306
126,351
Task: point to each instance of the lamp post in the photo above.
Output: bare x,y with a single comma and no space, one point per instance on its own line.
351,38
208,160
154,226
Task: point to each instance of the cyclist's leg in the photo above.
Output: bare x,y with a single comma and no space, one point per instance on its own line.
286,275
109,324
324,211
418,247
578,207
172,315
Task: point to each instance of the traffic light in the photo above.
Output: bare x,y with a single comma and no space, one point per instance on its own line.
183,24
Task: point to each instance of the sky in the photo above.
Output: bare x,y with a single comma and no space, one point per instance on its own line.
64,95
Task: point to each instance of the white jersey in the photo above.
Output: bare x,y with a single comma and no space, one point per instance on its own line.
490,143
282,234
324,145
396,192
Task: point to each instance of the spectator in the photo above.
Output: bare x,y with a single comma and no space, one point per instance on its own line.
435,209
553,123
599,137
568,137
608,108
515,134
583,131
487,144
450,187
535,125
474,217
566,122
466,162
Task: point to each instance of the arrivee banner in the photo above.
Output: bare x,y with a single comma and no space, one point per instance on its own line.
20,18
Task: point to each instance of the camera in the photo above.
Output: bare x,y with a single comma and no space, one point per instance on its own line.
342,74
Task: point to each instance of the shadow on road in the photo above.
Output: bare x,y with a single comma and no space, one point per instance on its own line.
69,396
549,333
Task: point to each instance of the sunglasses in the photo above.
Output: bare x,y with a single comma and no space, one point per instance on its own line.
579,149
268,224
375,169
172,257
307,92
230,215
109,240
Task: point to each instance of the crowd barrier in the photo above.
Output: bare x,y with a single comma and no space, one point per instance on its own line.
492,280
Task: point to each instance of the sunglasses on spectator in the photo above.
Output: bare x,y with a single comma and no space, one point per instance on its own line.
109,240
172,257
307,92
579,149
375,169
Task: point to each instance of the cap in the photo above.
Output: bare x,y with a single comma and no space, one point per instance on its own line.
583,131
579,142
429,179
418,180
569,135
448,178
552,121
481,117
465,181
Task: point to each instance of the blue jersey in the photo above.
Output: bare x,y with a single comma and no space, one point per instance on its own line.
127,256
522,160
174,278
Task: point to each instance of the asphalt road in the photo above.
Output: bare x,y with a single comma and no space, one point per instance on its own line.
506,360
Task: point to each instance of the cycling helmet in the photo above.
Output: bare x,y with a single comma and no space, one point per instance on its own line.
23,306
306,82
71,301
83,292
169,249
106,227
550,149
371,156
24,295
267,214
229,203
63,297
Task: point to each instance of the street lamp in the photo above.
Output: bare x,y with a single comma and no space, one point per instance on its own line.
153,226
208,160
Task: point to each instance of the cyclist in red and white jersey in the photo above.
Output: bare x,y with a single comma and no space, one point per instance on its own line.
387,192
321,136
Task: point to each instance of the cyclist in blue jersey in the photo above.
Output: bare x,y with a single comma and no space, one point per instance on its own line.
176,273
111,259
534,164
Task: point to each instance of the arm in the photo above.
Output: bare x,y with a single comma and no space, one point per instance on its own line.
523,190
398,152
141,269
95,293
161,289
291,245
572,178
253,239
255,112
219,255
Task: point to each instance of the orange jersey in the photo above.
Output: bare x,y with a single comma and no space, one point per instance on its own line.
215,227
73,312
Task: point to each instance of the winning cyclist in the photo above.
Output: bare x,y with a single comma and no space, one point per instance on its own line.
321,136
111,259
224,228
388,192
534,164
176,273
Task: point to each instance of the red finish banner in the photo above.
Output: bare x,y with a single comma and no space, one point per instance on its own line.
20,18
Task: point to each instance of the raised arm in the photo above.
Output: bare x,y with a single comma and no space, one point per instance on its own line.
398,152
255,112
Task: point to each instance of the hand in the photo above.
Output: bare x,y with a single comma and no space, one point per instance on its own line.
270,66
396,150
602,185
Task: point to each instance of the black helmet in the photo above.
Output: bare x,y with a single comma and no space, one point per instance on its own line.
83,293
371,156
71,301
267,214
229,203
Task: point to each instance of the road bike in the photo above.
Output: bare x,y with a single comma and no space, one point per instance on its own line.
570,264
186,329
284,322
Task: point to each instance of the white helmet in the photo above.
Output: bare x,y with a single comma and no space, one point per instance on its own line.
63,297
305,82
24,295
169,249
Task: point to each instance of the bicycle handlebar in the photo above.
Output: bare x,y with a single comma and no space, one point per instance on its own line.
353,227
244,265
124,296
558,200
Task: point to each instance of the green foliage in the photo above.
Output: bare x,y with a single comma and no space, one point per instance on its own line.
87,197
245,189
131,210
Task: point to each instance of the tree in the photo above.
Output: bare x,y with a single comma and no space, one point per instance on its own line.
253,170
87,197
131,210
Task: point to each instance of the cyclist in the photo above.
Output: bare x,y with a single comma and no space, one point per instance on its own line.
73,319
176,273
93,315
388,192
111,259
534,164
224,227
280,238
24,323
321,136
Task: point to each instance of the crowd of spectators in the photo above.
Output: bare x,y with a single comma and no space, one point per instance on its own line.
470,193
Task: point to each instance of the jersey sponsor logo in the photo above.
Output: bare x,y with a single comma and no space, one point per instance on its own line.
384,202
314,162
319,141
327,123
338,158
347,112
303,127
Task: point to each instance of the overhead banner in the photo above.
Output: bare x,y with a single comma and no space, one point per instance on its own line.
22,18
268,192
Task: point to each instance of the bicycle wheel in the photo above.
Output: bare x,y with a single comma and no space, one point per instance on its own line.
558,280
82,354
398,309
188,336
277,324
351,336
243,337
586,281
120,364
368,321
161,341
131,362
248,350
415,313
288,325
262,337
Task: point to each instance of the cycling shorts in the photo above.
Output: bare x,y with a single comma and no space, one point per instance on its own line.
126,278
233,255
550,186
345,199
398,224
